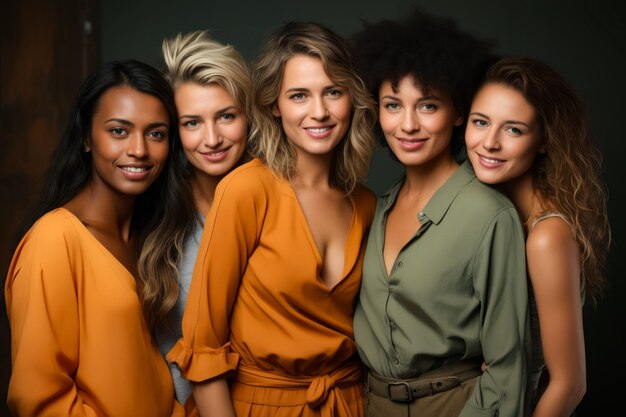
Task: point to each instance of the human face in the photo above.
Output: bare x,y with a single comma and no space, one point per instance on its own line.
503,135
314,110
417,127
213,127
128,141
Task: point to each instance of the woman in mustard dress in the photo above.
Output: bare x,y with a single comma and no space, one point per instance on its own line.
80,344
267,330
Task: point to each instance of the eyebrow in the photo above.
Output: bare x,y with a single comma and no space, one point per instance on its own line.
508,122
424,98
219,113
304,90
129,123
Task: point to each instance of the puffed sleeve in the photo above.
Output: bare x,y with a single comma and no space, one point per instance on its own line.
230,235
501,285
43,314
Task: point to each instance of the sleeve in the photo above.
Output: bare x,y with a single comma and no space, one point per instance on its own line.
230,235
500,283
44,319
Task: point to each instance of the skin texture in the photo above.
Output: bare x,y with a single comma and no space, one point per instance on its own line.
503,140
308,99
213,131
418,130
129,131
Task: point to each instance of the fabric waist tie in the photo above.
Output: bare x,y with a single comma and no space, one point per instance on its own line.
433,382
319,388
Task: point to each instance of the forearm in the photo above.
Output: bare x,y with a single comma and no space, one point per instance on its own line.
560,398
212,398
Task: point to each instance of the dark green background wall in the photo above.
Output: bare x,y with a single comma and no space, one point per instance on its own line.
584,40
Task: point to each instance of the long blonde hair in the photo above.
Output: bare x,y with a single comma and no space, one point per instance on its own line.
268,141
197,58
567,176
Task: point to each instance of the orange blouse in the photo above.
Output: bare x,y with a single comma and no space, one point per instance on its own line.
79,342
256,296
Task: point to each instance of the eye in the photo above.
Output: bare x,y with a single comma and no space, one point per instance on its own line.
334,92
514,131
228,117
118,132
428,107
156,134
479,123
392,106
190,124
297,96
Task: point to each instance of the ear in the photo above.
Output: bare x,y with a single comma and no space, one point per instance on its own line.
275,110
542,148
86,145
459,121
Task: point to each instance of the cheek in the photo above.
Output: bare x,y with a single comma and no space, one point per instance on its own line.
190,140
159,151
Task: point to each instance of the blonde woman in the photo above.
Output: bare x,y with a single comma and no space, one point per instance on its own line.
212,90
279,266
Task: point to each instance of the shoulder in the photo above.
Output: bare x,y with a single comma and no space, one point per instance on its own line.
248,179
549,237
53,228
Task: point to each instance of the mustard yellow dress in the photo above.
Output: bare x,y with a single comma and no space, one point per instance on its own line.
79,343
258,311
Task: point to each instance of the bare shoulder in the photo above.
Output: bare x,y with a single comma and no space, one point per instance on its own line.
549,235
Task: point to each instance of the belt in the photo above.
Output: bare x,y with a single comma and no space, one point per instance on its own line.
430,383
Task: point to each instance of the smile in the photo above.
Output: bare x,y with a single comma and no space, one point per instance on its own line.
215,156
134,170
318,130
491,160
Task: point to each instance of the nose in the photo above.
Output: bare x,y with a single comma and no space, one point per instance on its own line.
319,110
409,122
212,137
136,146
491,141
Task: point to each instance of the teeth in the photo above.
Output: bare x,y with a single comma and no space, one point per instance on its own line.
319,129
216,153
134,169
492,161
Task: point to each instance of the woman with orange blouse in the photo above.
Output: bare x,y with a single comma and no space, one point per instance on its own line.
267,329
80,344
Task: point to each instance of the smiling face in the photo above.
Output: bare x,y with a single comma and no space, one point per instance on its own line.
128,141
213,127
315,112
417,127
503,136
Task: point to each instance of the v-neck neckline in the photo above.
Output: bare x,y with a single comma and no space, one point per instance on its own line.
309,235
99,244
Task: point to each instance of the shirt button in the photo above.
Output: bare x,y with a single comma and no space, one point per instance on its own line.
396,361
400,264
421,214
392,324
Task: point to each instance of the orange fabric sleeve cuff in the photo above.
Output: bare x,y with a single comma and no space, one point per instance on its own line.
204,364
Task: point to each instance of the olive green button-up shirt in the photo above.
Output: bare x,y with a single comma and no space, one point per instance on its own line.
457,290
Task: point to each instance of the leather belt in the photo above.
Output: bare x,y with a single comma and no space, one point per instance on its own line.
430,383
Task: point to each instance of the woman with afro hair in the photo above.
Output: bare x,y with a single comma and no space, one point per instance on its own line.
444,275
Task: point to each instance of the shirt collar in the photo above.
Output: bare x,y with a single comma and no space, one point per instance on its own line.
443,198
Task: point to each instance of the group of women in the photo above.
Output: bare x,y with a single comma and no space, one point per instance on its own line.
215,215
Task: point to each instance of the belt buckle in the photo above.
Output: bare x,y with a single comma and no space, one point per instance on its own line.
407,390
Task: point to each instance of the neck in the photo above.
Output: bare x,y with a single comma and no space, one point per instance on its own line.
313,171
203,187
108,209
427,178
522,194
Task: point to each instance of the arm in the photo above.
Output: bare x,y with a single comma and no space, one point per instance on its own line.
500,283
43,313
229,238
553,266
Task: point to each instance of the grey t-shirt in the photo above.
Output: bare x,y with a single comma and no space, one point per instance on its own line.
167,337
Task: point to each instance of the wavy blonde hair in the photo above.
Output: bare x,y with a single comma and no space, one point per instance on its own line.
268,141
196,58
567,176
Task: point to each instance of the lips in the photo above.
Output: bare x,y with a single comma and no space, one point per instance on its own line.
490,162
216,155
319,132
135,172
411,144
